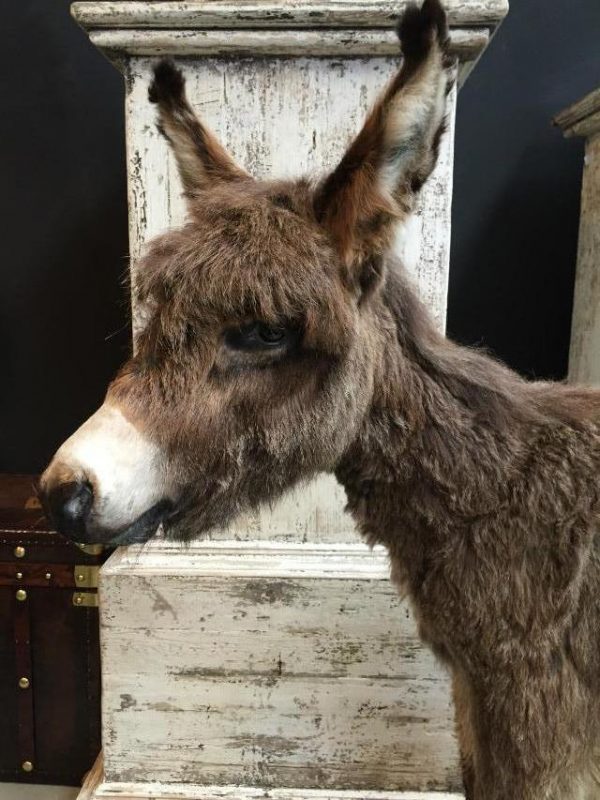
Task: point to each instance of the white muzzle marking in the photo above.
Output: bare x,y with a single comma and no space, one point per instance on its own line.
125,469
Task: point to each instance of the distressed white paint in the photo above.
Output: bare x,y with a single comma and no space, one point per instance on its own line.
95,787
283,118
286,14
583,119
268,664
312,513
279,117
464,43
274,659
158,791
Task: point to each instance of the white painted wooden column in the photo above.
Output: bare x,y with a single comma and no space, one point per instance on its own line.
274,655
583,119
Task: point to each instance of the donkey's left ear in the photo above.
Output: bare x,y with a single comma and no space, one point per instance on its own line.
375,184
201,159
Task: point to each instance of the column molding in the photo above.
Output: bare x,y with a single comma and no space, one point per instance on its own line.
288,28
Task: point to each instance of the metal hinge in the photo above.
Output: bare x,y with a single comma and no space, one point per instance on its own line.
86,577
85,599
91,549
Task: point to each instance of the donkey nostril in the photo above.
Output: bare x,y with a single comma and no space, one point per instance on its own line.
79,502
69,505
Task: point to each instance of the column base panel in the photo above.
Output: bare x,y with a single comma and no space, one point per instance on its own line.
96,788
157,791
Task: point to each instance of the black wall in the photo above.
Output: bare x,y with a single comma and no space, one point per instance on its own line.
517,185
63,248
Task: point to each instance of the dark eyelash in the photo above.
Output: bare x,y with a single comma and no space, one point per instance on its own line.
259,336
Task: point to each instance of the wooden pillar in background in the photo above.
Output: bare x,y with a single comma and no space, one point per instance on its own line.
583,119
276,654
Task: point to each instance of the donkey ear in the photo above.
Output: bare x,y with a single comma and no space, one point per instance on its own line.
375,184
201,159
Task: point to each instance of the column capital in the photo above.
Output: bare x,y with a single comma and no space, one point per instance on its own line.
338,28
582,118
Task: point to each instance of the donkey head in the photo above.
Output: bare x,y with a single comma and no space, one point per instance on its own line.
255,364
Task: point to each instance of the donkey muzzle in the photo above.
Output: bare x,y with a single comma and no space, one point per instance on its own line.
68,506
106,484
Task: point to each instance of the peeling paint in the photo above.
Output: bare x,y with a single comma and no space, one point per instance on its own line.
127,701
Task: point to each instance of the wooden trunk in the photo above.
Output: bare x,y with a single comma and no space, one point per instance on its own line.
274,656
49,650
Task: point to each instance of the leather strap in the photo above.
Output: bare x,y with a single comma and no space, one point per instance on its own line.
62,576
25,718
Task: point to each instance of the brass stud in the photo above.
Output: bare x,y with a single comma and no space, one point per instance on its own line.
79,577
19,551
19,576
21,595
27,766
85,599
48,576
24,683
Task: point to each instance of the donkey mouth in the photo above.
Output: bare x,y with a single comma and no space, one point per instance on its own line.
145,526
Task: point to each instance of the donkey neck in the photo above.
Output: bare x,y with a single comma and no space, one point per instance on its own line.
445,431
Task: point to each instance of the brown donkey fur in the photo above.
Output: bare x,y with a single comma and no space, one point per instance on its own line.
282,339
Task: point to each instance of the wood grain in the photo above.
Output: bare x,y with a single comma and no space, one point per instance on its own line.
466,43
283,14
284,118
186,791
248,667
583,119
92,780
584,355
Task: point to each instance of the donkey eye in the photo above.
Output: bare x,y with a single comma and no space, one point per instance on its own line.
270,335
261,336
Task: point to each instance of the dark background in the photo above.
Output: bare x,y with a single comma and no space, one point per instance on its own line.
63,248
